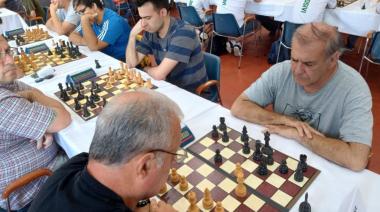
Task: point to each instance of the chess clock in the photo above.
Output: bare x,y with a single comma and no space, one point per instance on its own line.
186,136
14,32
80,76
38,48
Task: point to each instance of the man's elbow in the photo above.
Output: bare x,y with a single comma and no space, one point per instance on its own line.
358,164
93,47
235,108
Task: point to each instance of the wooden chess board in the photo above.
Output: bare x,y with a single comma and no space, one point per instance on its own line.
31,64
31,35
272,192
107,91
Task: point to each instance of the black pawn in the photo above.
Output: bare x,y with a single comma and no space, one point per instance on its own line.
363,7
298,176
80,95
244,136
97,65
246,148
270,160
283,167
262,170
218,157
305,205
104,102
77,106
257,155
225,137
222,125
86,113
215,133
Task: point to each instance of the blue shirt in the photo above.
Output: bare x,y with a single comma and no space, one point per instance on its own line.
114,30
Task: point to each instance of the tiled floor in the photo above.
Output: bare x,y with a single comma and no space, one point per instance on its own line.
254,63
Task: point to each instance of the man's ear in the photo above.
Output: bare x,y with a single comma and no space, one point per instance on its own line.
145,164
163,12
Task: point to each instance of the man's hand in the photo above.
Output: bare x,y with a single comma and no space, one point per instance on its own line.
33,13
53,7
88,18
137,29
45,141
303,128
160,206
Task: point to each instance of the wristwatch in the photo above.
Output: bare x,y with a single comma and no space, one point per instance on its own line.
143,203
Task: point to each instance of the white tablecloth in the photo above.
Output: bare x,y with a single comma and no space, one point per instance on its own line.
11,20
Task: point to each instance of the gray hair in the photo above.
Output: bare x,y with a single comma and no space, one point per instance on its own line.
127,128
319,32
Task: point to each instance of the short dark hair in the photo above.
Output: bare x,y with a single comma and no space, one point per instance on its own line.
158,4
88,3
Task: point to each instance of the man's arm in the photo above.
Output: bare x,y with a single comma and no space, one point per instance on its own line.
62,116
133,57
351,155
161,71
77,39
55,24
93,43
245,109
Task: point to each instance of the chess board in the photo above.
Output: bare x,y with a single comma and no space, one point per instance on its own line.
107,91
33,62
200,176
278,190
28,36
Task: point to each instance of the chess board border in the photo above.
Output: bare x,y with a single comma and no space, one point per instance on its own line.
249,189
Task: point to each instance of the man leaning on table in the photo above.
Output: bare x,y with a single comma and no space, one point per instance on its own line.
28,119
63,19
317,100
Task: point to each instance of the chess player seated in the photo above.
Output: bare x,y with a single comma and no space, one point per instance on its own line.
101,29
27,121
318,100
63,19
135,143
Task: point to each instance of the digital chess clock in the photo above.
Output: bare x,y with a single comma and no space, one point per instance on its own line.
38,48
14,32
186,136
80,76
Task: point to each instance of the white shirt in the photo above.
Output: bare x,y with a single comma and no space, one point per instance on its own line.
69,15
236,7
199,5
306,11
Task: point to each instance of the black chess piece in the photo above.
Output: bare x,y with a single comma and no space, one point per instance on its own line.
60,87
93,85
17,42
92,103
50,53
302,164
81,86
62,55
246,148
80,95
363,7
263,169
104,102
77,51
97,65
218,157
64,96
269,159
222,125
94,96
77,106
305,205
298,176
225,137
215,133
283,167
63,44
73,90
257,154
244,136
86,113
267,149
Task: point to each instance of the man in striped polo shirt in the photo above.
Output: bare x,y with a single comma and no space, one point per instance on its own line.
175,46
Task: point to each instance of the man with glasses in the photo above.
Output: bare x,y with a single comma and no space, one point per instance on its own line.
317,100
100,29
136,140
63,19
28,119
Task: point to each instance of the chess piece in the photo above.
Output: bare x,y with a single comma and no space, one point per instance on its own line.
215,133
240,190
262,170
174,176
94,96
183,185
363,7
126,82
86,113
97,65
81,86
77,51
270,160
80,96
298,176
72,89
163,189
225,137
148,83
302,163
192,197
207,202
246,148
238,170
77,106
92,103
244,136
64,96
305,205
266,148
257,155
97,88
218,159
283,167
110,72
219,207
222,125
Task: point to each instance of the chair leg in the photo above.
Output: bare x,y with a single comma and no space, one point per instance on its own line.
241,54
366,71
212,40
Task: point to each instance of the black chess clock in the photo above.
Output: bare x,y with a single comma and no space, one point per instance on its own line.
80,76
186,136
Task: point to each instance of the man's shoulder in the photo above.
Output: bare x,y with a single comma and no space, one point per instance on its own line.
350,78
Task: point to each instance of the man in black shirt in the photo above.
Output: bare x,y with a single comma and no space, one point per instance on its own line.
136,139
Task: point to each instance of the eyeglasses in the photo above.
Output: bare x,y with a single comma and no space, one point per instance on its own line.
180,155
81,12
10,51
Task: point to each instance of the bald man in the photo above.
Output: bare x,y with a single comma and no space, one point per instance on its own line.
317,100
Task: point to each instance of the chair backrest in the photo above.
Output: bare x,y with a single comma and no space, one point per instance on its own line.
288,31
212,63
110,5
226,25
375,47
190,15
